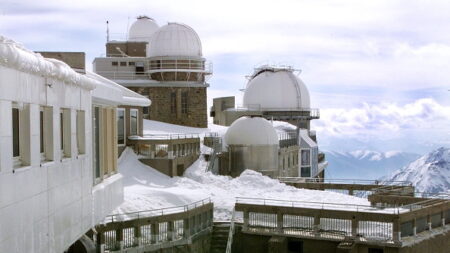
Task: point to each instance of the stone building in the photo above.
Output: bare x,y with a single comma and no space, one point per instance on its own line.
164,64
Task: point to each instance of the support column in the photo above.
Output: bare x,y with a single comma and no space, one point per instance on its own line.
396,230
414,224
279,222
119,238
354,226
154,233
186,228
170,231
137,236
316,225
246,219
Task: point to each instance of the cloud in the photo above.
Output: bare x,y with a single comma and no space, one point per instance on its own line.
385,120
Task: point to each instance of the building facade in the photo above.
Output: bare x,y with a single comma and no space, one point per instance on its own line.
58,158
164,64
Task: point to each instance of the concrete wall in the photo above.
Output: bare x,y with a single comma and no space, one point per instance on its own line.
46,206
160,109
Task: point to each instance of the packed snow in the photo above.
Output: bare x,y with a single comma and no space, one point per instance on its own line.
145,188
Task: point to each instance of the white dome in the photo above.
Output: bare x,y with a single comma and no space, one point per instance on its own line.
276,90
251,131
142,29
175,39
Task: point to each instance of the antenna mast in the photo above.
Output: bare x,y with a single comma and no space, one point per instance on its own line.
107,31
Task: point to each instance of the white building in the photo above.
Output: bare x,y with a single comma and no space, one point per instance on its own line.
58,152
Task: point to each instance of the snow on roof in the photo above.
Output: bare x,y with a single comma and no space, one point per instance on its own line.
14,55
251,131
111,91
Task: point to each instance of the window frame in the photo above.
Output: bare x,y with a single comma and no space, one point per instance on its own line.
96,144
65,115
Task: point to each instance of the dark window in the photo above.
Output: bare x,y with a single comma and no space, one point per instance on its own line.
306,172
173,102
120,126
61,127
373,250
133,122
15,128
96,142
41,132
131,63
145,110
184,102
123,63
114,63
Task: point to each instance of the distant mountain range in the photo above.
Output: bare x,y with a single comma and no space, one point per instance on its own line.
429,173
365,164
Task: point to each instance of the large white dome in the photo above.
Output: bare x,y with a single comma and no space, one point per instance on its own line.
142,29
251,131
175,39
273,90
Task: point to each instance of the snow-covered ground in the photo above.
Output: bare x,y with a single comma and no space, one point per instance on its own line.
145,188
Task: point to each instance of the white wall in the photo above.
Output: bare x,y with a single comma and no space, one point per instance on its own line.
46,208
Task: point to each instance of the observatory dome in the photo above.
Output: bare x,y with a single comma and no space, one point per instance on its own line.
251,131
175,39
274,90
142,29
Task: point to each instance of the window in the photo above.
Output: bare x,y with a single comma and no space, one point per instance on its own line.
81,133
145,110
173,102
133,122
306,157
41,134
64,123
123,63
121,126
96,141
184,102
16,135
305,172
114,63
131,63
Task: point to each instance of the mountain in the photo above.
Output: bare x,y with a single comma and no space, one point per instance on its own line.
429,173
365,164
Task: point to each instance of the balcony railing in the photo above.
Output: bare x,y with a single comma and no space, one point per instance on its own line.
183,65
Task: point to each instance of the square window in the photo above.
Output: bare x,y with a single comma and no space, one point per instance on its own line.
123,63
131,63
114,63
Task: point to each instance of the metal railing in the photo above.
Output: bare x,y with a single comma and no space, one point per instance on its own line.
184,65
343,181
230,233
165,136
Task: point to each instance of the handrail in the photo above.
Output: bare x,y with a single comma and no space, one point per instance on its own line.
349,181
157,212
230,233
321,205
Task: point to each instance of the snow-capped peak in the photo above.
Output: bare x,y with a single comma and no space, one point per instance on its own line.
429,173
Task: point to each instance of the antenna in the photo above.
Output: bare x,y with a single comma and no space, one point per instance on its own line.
107,31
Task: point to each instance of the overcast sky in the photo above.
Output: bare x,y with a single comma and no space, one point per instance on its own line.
378,70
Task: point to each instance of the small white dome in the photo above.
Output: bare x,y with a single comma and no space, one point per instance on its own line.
273,90
251,131
142,29
175,39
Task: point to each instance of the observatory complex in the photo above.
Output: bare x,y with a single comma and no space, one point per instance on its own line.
251,142
166,65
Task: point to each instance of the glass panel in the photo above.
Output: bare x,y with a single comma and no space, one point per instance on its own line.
306,172
184,102
173,102
306,157
15,128
120,126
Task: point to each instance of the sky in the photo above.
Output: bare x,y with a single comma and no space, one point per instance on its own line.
378,70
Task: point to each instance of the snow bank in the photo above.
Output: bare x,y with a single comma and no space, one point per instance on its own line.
157,127
146,188
14,55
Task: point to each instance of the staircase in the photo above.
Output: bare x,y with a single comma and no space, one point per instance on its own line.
219,237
